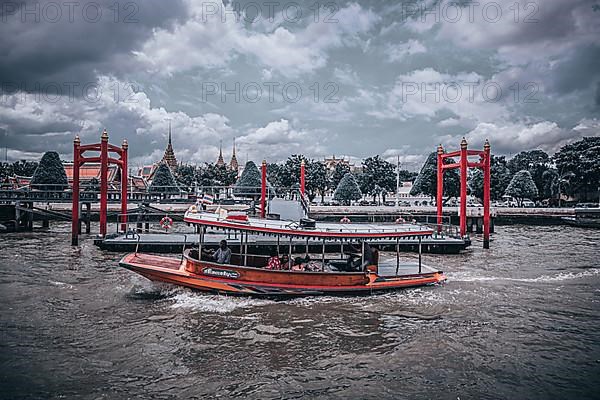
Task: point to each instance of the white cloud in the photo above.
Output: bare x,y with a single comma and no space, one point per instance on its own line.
408,159
203,41
523,31
512,138
427,92
279,139
127,115
398,52
449,122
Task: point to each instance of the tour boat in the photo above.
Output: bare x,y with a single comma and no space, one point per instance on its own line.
247,274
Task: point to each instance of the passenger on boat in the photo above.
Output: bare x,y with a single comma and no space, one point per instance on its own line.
297,265
223,254
274,262
310,265
285,262
370,256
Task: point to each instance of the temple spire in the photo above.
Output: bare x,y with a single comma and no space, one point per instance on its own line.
170,133
220,161
169,156
233,164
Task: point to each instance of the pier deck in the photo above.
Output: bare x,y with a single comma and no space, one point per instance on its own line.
175,242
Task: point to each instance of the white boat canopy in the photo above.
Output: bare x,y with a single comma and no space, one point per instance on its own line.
320,230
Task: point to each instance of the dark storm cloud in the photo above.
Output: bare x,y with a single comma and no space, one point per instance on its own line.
579,71
60,42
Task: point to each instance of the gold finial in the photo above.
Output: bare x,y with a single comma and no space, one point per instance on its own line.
463,143
486,145
125,144
302,162
105,135
77,140
264,162
440,149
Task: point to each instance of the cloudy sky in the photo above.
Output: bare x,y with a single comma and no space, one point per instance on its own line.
346,78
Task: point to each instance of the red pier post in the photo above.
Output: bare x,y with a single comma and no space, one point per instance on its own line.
487,174
440,187
302,177
103,182
463,164
463,187
263,190
75,199
105,160
124,183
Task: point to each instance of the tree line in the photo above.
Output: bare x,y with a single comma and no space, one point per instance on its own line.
377,177
572,171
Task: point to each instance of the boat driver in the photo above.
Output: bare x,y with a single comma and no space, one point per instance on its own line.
223,254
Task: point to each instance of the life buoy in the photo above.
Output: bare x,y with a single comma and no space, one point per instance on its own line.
345,220
400,220
193,209
166,223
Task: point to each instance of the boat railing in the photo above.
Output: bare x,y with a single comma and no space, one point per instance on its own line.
137,245
428,222
184,244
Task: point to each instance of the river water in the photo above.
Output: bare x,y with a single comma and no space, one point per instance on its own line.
520,321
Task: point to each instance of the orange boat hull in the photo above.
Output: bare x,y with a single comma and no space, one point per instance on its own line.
229,279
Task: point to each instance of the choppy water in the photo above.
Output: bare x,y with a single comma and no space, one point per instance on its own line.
521,321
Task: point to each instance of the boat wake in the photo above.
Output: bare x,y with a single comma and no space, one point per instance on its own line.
61,284
563,276
189,300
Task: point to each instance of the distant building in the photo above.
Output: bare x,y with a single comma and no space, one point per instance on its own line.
220,161
90,171
233,164
405,197
147,171
16,182
169,156
331,163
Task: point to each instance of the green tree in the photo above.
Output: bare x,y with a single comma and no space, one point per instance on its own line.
407,176
535,161
273,174
249,183
522,187
290,170
316,179
224,176
205,175
426,181
499,179
50,173
347,190
163,182
378,177
339,172
185,175
24,168
288,175
580,162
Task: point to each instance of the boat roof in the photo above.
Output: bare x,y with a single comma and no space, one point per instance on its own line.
329,230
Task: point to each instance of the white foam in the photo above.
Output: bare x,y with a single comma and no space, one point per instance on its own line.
61,284
563,276
188,299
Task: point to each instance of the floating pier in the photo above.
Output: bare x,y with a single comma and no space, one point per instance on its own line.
176,242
